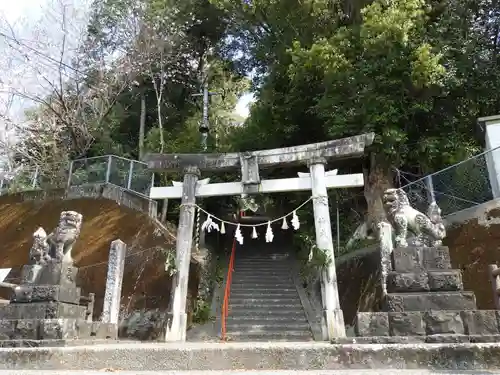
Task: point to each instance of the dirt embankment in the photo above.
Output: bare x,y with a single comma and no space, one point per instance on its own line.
146,285
473,246
358,280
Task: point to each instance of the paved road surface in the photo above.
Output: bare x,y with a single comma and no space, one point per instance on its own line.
339,372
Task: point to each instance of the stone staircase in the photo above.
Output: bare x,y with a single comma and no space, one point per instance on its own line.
264,303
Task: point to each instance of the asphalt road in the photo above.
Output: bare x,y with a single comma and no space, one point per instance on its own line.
339,372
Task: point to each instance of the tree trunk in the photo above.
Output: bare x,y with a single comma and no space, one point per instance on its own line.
142,126
164,210
378,178
160,126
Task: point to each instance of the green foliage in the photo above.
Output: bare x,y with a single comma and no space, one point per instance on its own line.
305,244
357,245
218,273
381,65
202,312
170,265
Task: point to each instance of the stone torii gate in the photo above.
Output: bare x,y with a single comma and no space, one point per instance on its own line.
314,155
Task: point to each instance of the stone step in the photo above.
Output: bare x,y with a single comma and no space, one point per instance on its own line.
260,269
267,261
259,310
290,291
271,301
264,253
432,339
269,327
274,286
276,283
442,280
263,294
252,266
274,339
401,302
291,356
263,279
412,258
268,265
220,372
247,280
269,336
263,257
265,310
259,275
265,319
259,272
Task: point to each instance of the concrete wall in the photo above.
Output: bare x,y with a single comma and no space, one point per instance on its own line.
484,214
112,192
491,128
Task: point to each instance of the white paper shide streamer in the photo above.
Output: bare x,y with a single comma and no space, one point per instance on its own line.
295,221
209,225
238,236
269,232
284,226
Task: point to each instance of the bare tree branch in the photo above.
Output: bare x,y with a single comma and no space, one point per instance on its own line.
73,95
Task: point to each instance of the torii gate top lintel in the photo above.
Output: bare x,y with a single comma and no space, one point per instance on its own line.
338,149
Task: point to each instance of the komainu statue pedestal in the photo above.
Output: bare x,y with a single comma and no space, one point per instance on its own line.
426,303
47,309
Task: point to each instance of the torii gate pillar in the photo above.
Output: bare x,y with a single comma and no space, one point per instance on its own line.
332,322
177,326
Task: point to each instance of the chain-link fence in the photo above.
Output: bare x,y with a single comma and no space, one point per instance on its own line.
457,187
130,174
347,212
126,173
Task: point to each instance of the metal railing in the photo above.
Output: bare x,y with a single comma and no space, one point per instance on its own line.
460,186
130,174
455,188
